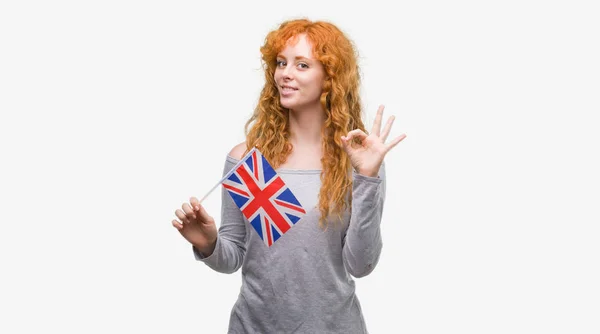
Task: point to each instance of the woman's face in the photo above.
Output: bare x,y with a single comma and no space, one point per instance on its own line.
299,76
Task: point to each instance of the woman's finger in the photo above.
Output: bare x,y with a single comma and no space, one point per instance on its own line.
377,123
387,128
177,225
202,214
394,142
194,203
347,140
188,211
181,216
358,133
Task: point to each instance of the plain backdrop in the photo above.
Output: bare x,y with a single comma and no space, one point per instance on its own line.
114,113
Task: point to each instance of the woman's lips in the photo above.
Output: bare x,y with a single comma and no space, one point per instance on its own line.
287,91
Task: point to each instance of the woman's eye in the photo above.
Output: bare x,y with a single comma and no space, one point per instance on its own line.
303,65
280,63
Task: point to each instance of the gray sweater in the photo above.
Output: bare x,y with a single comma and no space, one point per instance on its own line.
303,282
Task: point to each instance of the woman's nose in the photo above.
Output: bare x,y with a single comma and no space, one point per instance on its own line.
287,73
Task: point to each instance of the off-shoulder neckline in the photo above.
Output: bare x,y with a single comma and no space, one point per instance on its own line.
282,170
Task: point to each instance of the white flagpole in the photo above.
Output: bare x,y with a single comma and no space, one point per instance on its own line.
229,173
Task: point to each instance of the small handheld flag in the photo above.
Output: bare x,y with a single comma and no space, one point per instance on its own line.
264,199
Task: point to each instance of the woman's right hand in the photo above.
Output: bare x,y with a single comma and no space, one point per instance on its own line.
196,226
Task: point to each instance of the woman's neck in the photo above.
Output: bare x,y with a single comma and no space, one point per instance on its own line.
305,127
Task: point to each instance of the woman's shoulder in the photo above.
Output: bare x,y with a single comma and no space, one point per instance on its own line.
237,152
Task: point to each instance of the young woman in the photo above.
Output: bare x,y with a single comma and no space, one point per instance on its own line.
308,125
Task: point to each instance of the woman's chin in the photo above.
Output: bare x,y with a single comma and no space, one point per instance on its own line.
286,104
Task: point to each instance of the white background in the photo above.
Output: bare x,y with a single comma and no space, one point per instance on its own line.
114,113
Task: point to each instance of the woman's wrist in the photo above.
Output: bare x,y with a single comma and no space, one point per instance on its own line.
207,250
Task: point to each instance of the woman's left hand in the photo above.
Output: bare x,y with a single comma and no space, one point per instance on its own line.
367,157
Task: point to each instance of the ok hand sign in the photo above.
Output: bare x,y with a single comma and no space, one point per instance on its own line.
367,157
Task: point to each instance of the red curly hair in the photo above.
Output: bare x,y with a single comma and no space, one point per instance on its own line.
340,100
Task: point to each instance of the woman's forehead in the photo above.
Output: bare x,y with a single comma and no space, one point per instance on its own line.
299,45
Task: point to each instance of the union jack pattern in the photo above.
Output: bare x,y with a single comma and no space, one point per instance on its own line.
264,199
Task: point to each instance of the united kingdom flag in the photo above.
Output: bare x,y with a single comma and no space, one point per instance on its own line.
262,196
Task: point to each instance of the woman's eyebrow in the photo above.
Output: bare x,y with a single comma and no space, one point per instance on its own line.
296,58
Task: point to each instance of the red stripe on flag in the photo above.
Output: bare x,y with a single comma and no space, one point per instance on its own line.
262,199
290,206
268,228
255,161
235,190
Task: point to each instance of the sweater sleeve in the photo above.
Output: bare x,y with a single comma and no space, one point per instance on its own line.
230,248
362,243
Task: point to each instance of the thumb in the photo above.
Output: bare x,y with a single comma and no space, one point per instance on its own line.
205,218
346,144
